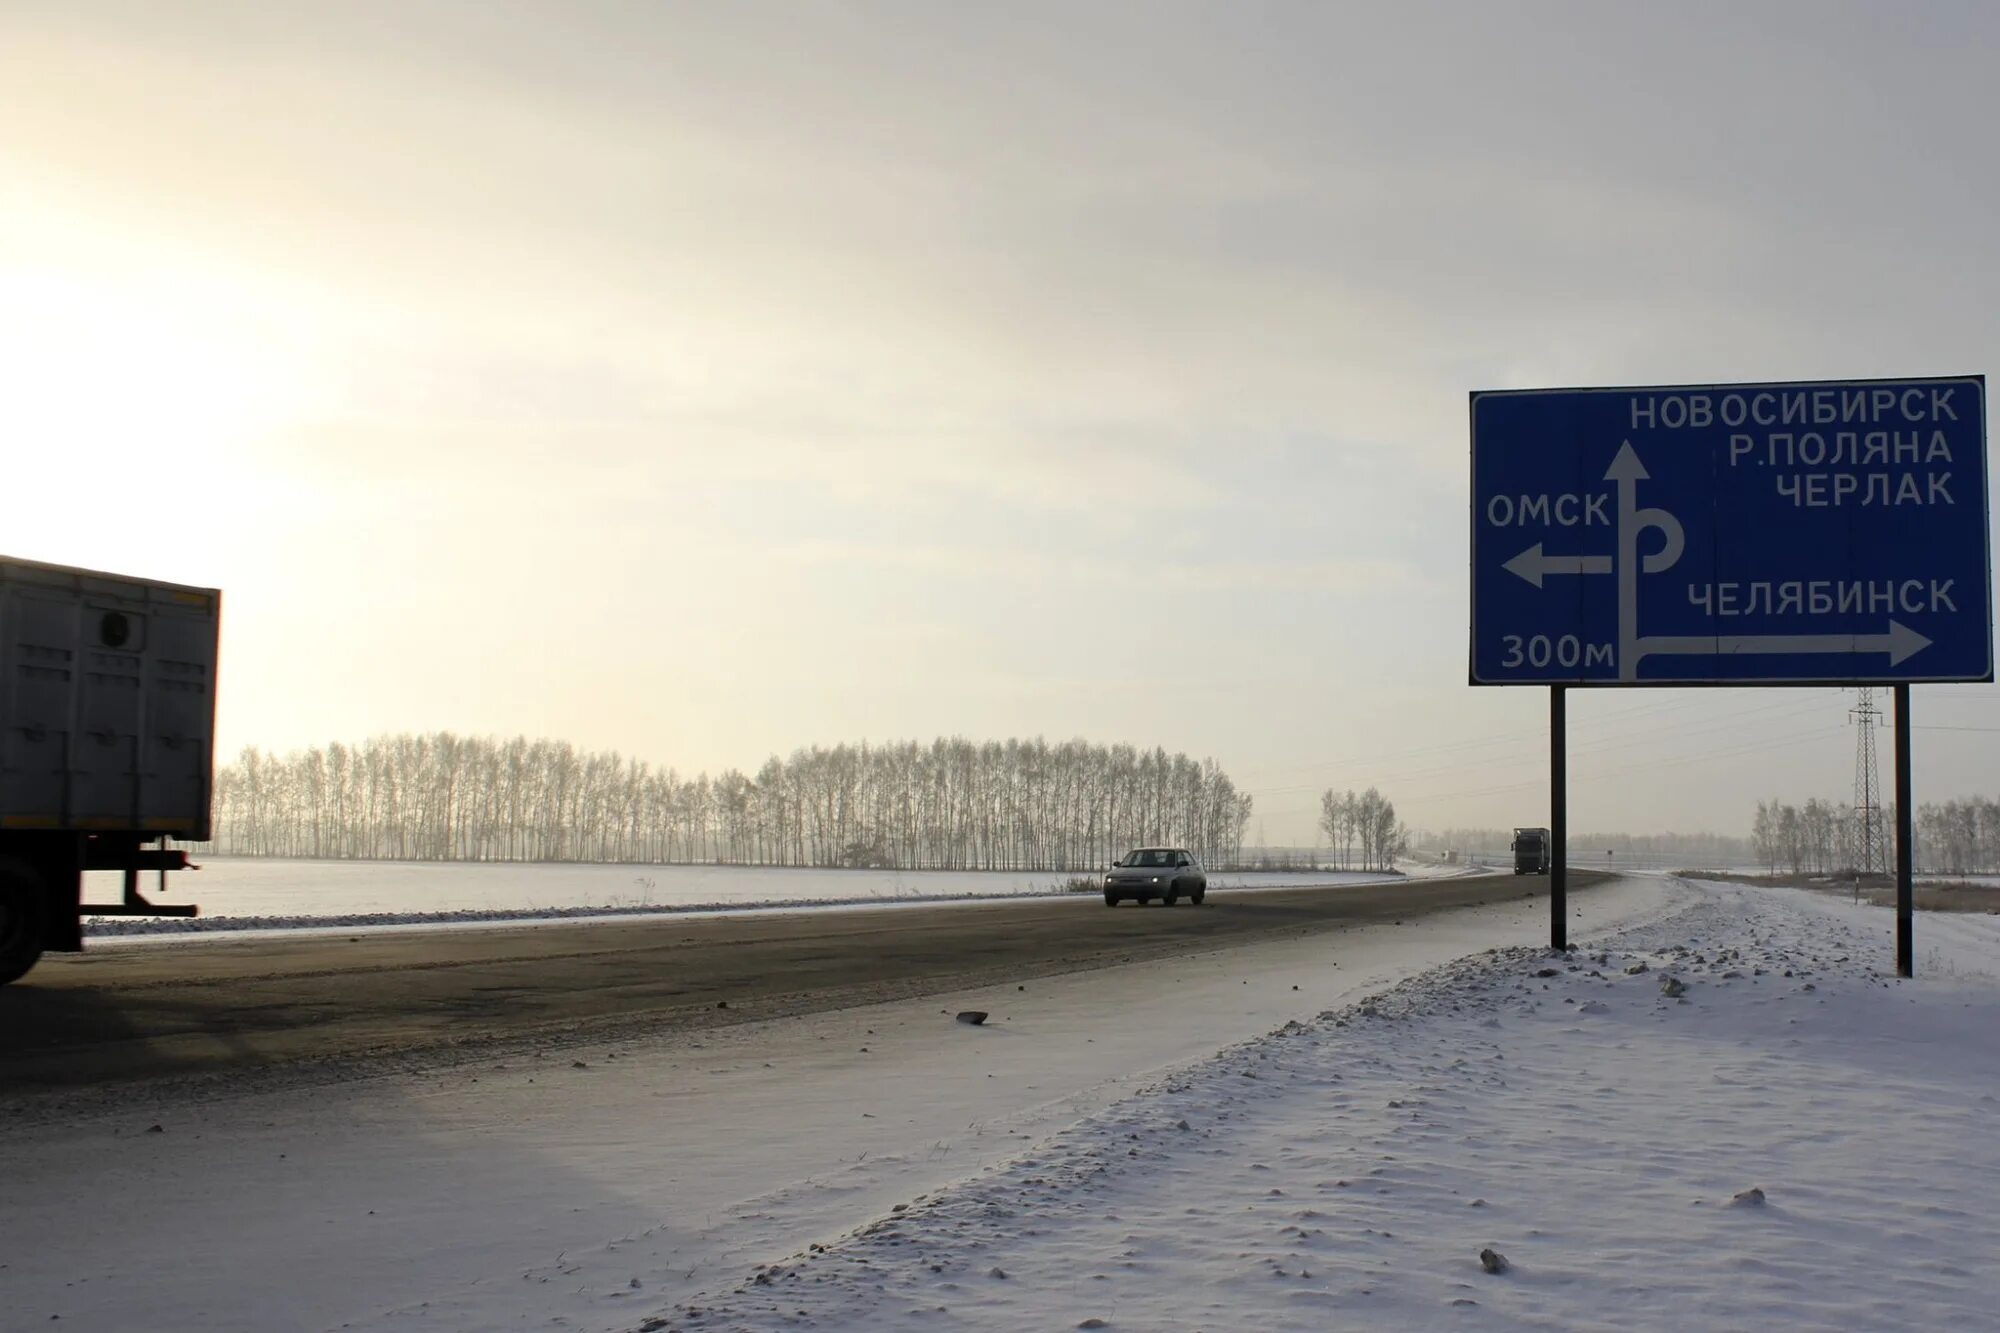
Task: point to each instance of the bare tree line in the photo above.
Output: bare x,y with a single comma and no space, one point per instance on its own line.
1958,837
1367,818
952,804
1955,837
1694,849
1816,838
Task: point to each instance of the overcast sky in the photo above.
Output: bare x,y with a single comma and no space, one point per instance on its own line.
705,381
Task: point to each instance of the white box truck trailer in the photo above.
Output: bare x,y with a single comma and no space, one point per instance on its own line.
107,744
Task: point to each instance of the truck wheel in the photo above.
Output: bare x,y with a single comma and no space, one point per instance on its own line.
23,908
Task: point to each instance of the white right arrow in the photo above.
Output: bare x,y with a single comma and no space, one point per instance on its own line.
1532,565
1900,642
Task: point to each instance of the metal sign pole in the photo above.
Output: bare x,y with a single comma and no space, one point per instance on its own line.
1905,842
1558,820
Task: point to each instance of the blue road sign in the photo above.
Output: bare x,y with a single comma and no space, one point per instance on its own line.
1802,533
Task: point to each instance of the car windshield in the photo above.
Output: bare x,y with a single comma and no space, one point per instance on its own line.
1150,857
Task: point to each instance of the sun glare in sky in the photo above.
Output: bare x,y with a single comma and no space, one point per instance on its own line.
149,389
705,382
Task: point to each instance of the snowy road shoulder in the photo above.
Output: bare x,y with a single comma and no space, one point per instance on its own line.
592,1185
1735,1117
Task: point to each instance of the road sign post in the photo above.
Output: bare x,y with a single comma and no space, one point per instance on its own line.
1558,818
1906,954
1801,533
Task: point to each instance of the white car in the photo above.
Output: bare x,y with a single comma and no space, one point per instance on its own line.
1166,873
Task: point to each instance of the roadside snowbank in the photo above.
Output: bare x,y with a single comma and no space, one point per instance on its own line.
533,1191
1732,1118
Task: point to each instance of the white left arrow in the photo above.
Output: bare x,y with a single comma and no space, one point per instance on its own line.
1532,565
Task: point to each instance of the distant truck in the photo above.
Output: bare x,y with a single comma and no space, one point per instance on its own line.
107,744
1531,851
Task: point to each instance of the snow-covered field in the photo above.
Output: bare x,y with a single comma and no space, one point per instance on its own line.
242,893
1087,1159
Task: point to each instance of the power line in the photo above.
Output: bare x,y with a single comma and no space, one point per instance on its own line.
1537,783
1500,738
1379,768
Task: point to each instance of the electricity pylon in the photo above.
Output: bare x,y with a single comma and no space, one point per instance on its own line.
1870,853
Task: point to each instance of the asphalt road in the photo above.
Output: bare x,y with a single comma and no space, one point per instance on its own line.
285,1009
